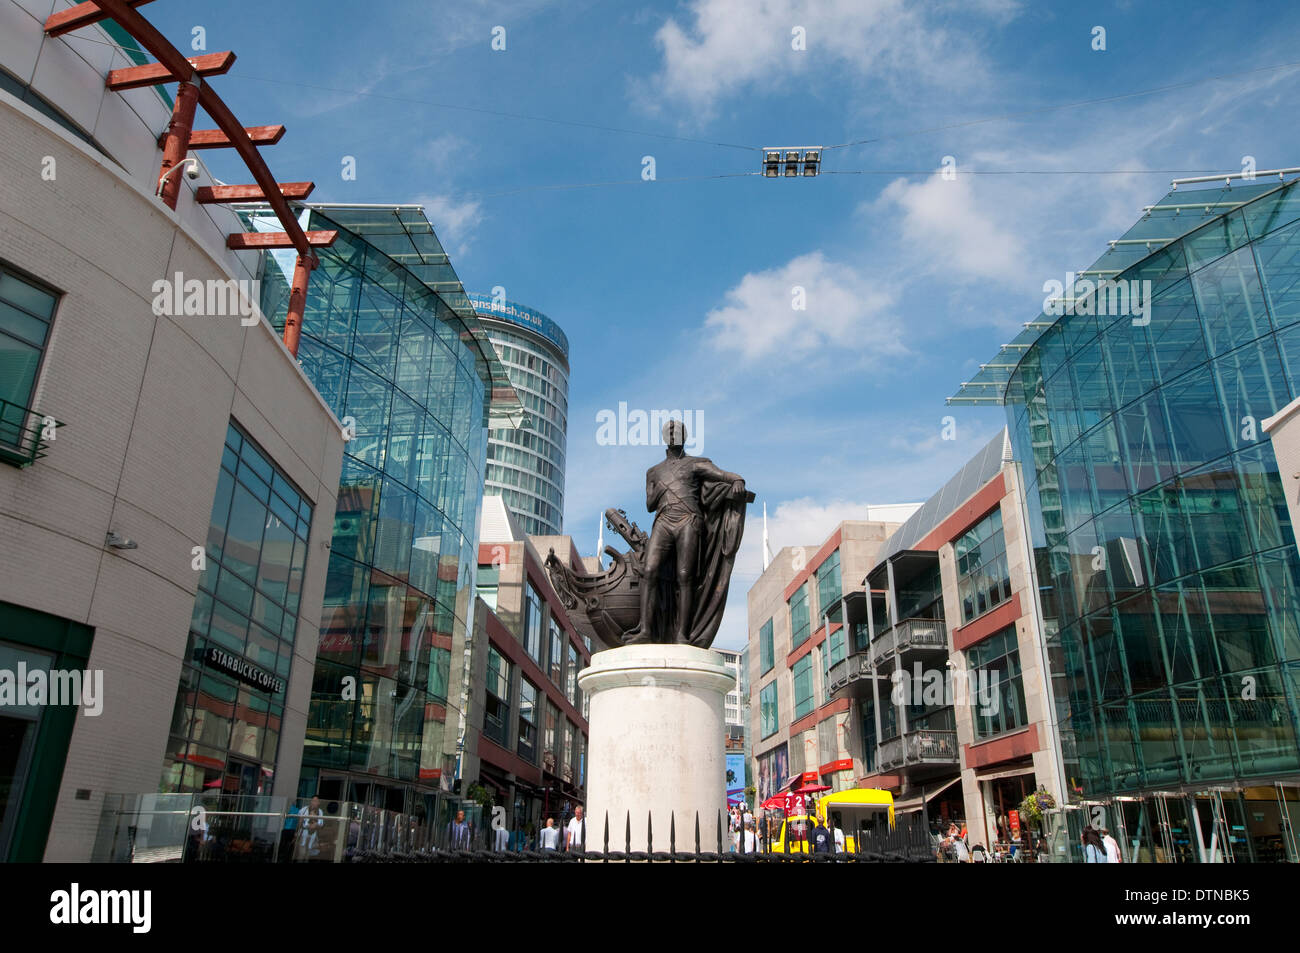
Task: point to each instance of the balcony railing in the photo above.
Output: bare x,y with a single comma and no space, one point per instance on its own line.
910,634
922,634
24,434
919,747
849,669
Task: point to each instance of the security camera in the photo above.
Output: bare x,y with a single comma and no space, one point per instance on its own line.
191,172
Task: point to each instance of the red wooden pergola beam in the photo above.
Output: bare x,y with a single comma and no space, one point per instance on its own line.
161,49
74,18
154,74
220,194
216,139
257,241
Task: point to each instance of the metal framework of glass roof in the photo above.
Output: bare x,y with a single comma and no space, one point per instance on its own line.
1174,216
404,234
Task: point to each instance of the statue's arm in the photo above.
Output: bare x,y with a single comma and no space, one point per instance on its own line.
652,493
710,472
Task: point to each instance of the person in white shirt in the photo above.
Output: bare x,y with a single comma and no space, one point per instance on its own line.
1112,848
501,839
549,839
573,831
838,834
751,839
309,825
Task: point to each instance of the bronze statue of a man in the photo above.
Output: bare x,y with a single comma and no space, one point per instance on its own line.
700,515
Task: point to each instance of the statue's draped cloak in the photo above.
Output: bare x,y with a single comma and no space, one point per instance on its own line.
724,524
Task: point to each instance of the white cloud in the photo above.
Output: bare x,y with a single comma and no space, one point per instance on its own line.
447,153
955,228
842,309
729,45
454,220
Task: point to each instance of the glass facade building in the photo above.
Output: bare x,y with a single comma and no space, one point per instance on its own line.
225,729
392,346
525,466
1168,574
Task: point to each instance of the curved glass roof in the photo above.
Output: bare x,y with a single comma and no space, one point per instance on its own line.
404,234
1174,216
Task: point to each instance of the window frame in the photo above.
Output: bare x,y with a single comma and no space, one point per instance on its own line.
975,661
528,739
799,601
43,349
504,704
766,648
763,709
803,669
972,581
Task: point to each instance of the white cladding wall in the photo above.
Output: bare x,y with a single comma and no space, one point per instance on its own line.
146,401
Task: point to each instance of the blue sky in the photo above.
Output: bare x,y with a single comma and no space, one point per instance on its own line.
678,294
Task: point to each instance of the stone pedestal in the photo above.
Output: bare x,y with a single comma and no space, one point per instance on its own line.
657,745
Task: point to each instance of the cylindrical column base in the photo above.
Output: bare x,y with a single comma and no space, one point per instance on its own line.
656,751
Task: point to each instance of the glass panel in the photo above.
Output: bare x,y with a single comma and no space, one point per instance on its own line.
1175,331
1253,389
18,363
1262,495
1214,240
1196,425
22,325
1278,258
1231,301
1273,211
27,296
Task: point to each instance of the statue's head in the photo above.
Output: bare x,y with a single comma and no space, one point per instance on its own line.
674,433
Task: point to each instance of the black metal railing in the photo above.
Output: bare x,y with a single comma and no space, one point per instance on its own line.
24,434
922,746
902,845
205,829
849,669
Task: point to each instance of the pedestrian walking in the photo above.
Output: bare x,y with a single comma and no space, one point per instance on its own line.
575,832
458,833
309,824
822,842
1094,851
549,838
837,834
1113,856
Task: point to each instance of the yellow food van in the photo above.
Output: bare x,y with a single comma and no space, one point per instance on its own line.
857,809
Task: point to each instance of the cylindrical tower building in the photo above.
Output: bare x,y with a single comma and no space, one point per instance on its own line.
526,466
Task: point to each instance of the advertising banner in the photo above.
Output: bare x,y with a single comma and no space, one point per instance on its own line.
735,776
